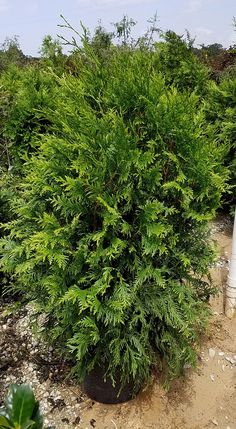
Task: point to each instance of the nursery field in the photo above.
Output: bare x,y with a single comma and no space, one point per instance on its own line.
115,159
203,398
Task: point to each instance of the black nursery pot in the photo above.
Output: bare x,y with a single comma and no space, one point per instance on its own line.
103,391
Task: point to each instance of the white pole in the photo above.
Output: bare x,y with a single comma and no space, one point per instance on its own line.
230,304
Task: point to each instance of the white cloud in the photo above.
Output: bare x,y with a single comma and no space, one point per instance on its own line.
102,3
194,6
4,5
231,39
203,30
31,7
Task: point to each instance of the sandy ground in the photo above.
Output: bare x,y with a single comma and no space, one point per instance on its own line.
203,398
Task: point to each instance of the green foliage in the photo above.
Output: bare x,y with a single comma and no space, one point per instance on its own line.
179,64
101,40
110,232
10,53
123,29
21,410
221,111
24,93
52,54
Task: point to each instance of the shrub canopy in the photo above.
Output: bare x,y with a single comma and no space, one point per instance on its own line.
110,236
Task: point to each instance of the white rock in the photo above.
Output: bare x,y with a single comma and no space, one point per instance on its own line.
230,359
212,377
211,353
214,422
221,354
57,398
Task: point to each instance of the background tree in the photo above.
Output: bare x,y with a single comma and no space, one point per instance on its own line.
11,53
179,64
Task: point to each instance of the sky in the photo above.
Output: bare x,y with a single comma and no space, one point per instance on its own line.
210,21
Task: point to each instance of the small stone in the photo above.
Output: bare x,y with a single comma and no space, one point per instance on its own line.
214,422
231,360
93,423
211,353
221,354
212,377
223,367
57,398
77,420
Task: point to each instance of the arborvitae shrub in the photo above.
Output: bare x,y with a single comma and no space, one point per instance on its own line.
179,64
24,93
111,235
221,114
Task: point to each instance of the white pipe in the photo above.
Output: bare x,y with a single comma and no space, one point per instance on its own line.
230,303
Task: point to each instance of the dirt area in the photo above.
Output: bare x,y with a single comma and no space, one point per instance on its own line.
203,398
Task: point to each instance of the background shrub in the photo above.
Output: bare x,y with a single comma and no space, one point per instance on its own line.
221,114
24,93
